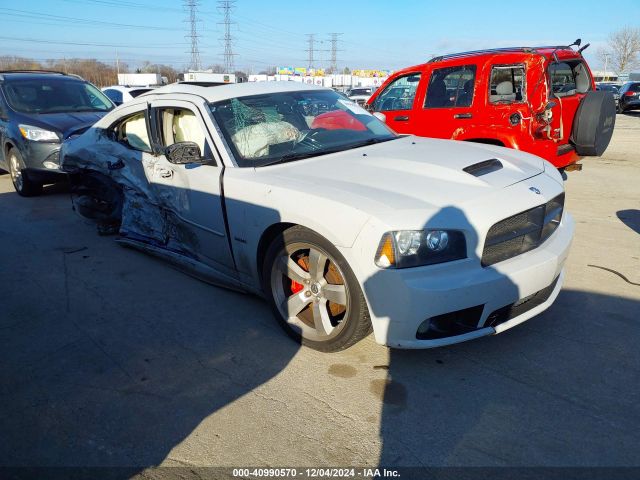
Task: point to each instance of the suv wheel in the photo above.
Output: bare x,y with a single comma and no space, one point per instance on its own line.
21,182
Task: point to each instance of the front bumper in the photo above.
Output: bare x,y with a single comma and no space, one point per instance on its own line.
42,162
414,297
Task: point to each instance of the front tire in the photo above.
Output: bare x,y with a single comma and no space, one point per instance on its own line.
21,182
313,292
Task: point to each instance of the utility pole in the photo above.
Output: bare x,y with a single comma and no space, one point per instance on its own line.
225,6
334,51
606,65
192,6
311,41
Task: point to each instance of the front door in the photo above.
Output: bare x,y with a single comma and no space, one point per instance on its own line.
397,101
190,193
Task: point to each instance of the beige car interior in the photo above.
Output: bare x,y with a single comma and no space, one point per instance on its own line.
254,141
134,132
184,127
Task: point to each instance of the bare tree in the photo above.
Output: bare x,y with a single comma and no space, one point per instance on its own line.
623,48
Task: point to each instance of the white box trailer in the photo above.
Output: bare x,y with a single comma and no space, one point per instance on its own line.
209,77
140,79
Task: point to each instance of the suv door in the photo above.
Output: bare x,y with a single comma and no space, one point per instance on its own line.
569,81
4,126
191,193
397,102
447,102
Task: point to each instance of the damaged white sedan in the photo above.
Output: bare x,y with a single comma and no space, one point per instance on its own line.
294,193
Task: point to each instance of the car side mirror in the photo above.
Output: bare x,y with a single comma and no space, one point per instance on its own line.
182,153
380,116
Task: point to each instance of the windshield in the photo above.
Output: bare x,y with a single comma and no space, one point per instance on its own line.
286,126
55,95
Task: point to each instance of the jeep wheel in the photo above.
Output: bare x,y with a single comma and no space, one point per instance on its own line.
21,182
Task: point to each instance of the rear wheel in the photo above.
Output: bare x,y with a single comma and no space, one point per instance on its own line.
21,182
313,292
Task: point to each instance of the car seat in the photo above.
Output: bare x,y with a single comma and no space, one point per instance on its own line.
504,93
464,100
437,95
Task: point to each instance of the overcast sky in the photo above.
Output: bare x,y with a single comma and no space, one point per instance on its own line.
376,34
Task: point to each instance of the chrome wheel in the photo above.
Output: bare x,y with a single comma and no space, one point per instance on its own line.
16,172
310,291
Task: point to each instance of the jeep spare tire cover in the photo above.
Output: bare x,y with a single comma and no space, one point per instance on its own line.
593,124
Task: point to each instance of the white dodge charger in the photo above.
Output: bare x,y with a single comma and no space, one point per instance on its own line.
294,193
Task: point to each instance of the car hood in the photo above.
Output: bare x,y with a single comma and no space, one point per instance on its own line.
407,173
66,123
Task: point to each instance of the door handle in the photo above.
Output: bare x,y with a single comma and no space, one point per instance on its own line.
165,173
401,118
461,116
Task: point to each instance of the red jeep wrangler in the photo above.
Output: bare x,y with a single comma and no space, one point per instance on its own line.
541,100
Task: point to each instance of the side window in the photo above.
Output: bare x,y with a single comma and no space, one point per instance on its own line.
182,125
569,78
507,84
399,94
114,95
451,87
133,132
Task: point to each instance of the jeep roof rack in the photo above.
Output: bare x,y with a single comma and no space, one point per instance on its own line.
498,50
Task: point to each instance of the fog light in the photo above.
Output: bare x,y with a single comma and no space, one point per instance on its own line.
437,240
51,165
424,327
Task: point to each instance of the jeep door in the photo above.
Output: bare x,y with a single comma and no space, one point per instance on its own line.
446,110
191,193
398,102
569,81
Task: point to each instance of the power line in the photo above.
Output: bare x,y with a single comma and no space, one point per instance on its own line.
311,40
225,6
192,5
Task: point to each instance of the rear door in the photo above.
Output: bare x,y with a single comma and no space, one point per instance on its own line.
569,81
447,105
190,193
398,102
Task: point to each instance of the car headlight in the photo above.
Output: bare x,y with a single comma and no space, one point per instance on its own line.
413,248
37,134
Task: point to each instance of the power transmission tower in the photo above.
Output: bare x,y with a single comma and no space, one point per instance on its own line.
311,41
225,7
334,52
192,5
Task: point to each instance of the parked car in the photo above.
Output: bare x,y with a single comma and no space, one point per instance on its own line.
38,110
120,94
629,97
540,100
361,95
609,87
289,191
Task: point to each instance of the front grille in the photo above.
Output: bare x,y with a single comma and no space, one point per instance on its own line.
523,305
522,232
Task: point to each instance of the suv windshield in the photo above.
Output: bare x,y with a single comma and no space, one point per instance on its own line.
287,126
54,95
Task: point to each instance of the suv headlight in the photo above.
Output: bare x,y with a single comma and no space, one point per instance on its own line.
38,134
414,248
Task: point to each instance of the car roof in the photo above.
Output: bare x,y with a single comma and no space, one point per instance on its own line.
36,74
232,90
481,56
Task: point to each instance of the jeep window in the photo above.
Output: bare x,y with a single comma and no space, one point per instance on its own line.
569,78
451,87
133,132
399,94
55,95
507,84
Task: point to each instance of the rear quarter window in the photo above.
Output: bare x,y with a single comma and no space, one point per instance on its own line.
568,78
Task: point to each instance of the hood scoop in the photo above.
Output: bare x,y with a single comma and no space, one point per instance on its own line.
484,168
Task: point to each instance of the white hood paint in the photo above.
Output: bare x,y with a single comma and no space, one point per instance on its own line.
409,173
